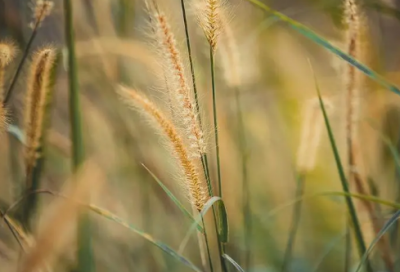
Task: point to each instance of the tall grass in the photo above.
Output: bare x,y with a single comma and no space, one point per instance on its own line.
192,73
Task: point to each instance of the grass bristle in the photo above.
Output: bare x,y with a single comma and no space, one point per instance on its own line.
37,93
41,10
195,186
183,106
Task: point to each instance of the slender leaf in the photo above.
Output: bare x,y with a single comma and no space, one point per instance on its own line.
205,209
148,237
173,198
350,205
384,229
233,262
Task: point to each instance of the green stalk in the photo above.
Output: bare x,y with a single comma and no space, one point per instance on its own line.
204,159
245,185
348,251
214,98
207,245
85,254
296,216
350,205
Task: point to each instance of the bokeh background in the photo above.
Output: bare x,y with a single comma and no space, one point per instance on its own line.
113,47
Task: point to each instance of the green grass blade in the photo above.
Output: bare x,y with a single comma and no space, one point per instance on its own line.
308,33
174,199
85,252
222,223
294,225
233,262
148,237
384,229
328,249
350,205
214,99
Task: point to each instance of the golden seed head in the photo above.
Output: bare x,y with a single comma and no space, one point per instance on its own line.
41,9
36,101
210,20
194,185
183,105
311,132
3,118
7,53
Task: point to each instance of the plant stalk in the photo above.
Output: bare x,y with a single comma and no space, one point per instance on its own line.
85,253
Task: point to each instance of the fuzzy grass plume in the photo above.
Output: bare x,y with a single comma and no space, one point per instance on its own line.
36,99
40,10
184,110
353,85
311,132
7,54
209,16
195,186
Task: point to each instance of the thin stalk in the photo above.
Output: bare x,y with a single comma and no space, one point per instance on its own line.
24,57
207,245
296,216
245,185
85,253
221,247
204,158
214,98
348,251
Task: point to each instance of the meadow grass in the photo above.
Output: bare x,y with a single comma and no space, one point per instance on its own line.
216,124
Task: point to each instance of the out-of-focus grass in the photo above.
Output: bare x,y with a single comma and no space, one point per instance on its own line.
111,47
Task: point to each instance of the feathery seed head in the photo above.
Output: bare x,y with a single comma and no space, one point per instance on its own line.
36,100
3,118
210,20
7,53
194,185
41,9
182,101
311,132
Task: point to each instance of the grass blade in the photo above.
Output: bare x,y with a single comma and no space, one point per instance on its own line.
233,262
148,237
296,216
85,258
350,205
173,198
222,223
384,229
308,33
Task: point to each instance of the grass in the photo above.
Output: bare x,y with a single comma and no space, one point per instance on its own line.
186,84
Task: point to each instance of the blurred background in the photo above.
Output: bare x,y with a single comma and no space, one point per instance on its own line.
113,47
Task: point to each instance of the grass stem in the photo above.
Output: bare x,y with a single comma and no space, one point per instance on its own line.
85,258
294,226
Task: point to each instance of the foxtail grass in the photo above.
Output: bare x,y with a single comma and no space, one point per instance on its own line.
7,54
41,10
353,86
37,120
195,187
